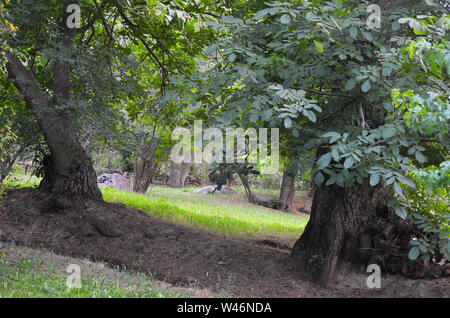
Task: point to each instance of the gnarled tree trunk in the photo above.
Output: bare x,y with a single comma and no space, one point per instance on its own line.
68,169
287,192
338,215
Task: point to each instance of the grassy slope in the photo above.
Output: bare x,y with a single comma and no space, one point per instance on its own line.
227,214
221,213
26,272
34,273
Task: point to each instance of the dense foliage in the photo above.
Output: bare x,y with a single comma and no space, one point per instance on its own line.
370,102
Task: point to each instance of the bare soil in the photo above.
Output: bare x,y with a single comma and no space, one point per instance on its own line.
183,255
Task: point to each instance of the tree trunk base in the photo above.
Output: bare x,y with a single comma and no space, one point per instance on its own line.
59,188
338,215
360,234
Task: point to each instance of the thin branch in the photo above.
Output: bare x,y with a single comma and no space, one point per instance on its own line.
361,114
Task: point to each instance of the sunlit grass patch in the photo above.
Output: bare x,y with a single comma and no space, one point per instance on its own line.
225,214
183,205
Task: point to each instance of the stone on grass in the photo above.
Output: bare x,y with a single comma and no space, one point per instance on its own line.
210,189
114,180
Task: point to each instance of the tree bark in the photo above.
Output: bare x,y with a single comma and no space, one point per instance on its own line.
287,192
179,173
68,171
338,215
145,167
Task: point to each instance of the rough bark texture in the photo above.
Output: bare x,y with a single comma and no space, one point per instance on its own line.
338,215
68,169
287,192
145,167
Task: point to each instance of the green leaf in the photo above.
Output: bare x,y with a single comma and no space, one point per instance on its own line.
374,179
266,114
398,188
367,35
309,16
287,122
414,243
400,212
254,117
318,179
324,161
319,46
386,71
414,253
420,157
389,132
353,32
395,26
366,86
285,19
335,155
332,135
348,163
311,116
351,83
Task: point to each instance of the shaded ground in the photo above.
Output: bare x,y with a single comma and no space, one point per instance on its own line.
39,267
179,254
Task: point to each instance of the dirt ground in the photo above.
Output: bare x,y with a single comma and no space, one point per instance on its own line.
183,255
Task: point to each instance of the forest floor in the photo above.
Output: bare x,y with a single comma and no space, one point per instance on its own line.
183,255
38,272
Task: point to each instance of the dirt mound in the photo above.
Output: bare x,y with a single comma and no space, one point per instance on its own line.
123,236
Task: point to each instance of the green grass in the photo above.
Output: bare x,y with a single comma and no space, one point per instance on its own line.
227,214
214,212
30,277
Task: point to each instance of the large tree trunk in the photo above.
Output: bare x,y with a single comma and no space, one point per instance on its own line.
338,215
287,192
68,170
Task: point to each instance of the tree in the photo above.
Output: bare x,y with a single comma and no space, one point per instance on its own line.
179,172
67,74
319,71
287,191
67,169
